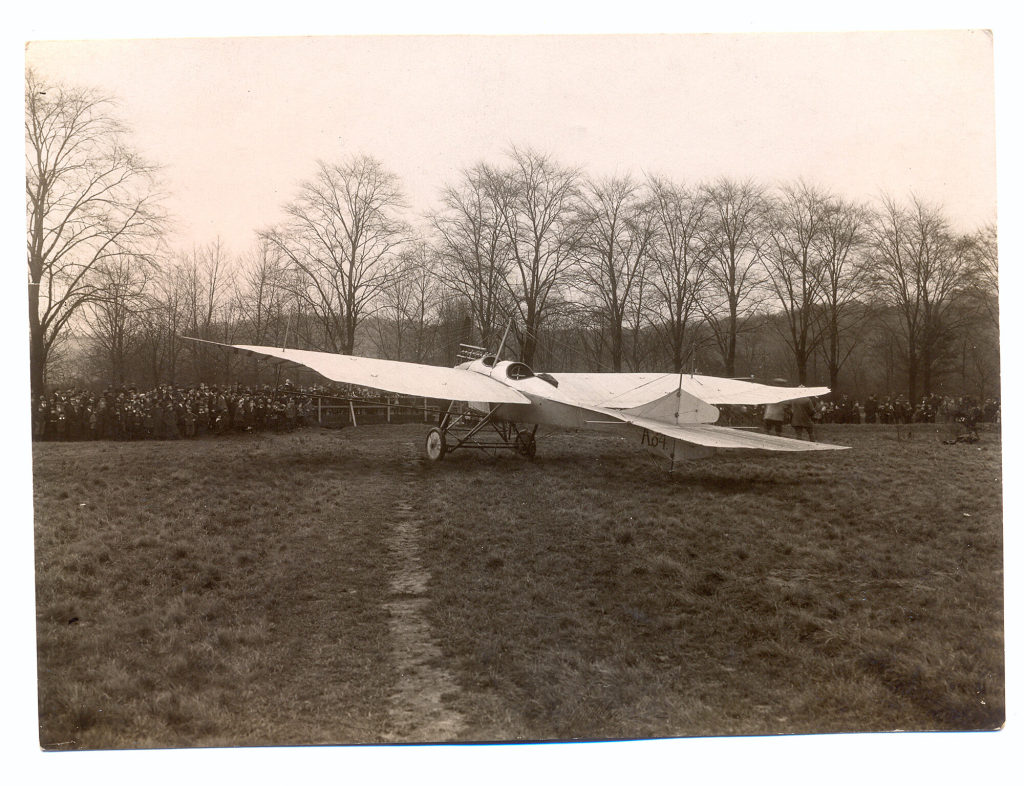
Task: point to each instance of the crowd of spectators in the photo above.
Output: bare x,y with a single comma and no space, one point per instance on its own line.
170,412
897,409
892,409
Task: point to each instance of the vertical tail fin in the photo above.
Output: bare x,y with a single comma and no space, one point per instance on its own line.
677,407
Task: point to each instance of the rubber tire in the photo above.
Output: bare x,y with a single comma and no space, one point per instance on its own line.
435,446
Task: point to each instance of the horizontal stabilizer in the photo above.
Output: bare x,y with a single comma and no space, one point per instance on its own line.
708,435
722,437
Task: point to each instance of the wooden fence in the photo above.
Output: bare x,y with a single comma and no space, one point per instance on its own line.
335,413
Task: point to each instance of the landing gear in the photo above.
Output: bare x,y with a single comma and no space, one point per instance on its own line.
467,430
436,445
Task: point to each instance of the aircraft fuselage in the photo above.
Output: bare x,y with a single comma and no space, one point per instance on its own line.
547,407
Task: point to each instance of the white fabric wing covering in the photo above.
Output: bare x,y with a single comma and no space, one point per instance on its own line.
721,437
624,391
409,379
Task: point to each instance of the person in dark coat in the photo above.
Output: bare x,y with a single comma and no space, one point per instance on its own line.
871,408
39,419
803,417
774,417
170,415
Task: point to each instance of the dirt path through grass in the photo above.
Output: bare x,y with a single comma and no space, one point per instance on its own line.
418,711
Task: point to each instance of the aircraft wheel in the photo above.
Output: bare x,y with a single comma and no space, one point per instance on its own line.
435,445
527,444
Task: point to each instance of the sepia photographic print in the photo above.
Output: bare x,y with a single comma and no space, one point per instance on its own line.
451,389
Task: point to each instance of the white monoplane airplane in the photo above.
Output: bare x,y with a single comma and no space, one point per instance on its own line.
671,413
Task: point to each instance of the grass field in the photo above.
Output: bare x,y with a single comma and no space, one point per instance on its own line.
332,587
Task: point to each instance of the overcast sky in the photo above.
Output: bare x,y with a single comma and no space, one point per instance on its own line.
238,123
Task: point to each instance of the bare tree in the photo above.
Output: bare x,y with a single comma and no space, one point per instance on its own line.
680,258
261,299
842,282
342,229
734,235
163,321
986,245
261,294
205,281
980,350
116,318
474,248
615,226
794,224
643,342
537,203
454,325
407,304
918,266
89,199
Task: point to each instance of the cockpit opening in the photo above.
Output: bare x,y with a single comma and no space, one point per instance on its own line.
518,371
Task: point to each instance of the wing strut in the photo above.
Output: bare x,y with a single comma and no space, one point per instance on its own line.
501,346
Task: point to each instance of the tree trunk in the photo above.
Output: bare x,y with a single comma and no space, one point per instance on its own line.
616,346
529,343
677,356
730,355
912,371
833,356
37,344
801,368
926,373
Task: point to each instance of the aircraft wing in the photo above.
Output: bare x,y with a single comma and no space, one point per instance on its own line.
711,436
410,379
716,390
628,390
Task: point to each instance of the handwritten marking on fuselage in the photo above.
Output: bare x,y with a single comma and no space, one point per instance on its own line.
653,439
